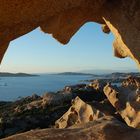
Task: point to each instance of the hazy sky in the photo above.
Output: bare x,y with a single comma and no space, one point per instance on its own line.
38,52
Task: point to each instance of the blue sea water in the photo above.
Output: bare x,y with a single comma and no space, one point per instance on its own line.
11,88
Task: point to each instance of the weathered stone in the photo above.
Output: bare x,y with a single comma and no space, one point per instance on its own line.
62,19
106,128
87,93
131,82
127,103
98,85
31,113
72,88
79,112
105,29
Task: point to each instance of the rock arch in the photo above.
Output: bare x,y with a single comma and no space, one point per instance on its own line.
63,18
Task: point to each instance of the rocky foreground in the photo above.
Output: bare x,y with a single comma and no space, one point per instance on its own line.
95,111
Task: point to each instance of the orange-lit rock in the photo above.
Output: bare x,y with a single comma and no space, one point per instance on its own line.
127,103
63,18
79,112
106,128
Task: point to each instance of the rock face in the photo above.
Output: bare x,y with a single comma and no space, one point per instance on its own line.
79,112
106,128
63,18
98,85
132,82
71,89
127,103
88,93
43,111
31,113
109,118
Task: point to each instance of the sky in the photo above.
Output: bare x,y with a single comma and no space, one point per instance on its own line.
89,49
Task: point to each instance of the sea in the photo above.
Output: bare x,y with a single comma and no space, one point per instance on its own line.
13,88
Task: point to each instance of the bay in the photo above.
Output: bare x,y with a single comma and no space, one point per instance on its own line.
11,88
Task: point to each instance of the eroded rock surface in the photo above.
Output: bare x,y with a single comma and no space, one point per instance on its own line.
106,128
63,18
31,113
127,103
42,111
86,92
98,85
131,82
101,119
79,112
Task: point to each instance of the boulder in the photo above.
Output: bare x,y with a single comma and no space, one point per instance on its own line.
132,82
79,112
127,103
106,128
87,92
98,85
72,88
32,112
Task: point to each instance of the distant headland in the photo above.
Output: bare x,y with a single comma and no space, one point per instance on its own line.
76,73
7,74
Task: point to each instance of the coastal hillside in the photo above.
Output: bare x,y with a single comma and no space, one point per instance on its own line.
76,73
6,74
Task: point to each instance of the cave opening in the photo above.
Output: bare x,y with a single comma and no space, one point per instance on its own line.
89,48
89,51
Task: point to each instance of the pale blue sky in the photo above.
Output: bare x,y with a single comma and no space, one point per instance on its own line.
38,52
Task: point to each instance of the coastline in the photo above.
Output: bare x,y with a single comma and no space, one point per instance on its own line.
45,111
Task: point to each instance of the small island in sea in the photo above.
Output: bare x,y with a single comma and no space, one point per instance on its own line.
76,73
6,74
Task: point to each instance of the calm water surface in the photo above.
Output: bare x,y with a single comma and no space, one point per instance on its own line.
13,87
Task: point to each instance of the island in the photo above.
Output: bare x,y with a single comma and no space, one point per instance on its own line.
76,73
7,74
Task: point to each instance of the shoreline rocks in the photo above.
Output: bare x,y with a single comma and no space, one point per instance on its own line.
77,109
